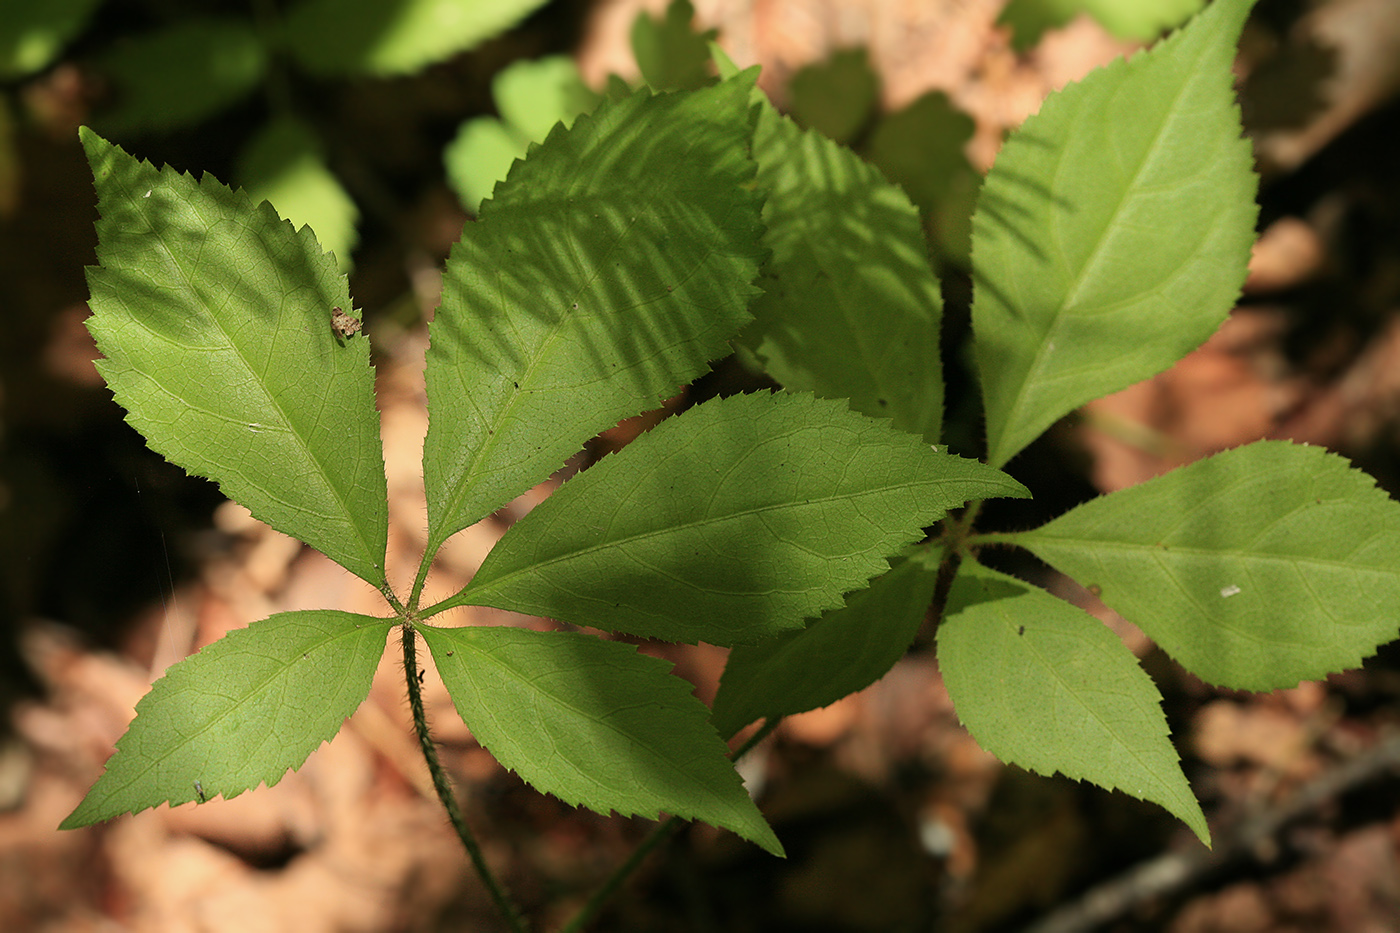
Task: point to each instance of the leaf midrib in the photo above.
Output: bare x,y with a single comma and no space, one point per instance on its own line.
697,524
1052,323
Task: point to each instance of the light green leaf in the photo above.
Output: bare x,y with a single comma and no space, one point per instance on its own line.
283,163
851,308
1140,20
239,713
594,723
670,53
846,650
1112,235
181,74
1256,568
215,320
1046,686
531,96
32,32
606,272
390,37
480,156
729,524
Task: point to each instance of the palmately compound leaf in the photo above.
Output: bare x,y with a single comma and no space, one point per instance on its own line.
595,724
1112,235
390,37
1256,568
729,524
214,316
607,271
241,712
1042,684
846,650
850,308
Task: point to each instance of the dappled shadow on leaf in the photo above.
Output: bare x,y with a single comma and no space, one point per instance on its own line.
608,270
1007,215
851,308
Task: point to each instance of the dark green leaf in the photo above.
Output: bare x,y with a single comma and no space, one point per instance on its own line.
32,32
594,723
389,37
180,74
670,53
846,650
729,524
851,308
837,97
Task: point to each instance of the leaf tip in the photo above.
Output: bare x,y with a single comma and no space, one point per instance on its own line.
76,820
95,147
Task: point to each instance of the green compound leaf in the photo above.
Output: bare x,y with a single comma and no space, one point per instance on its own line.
215,320
851,307
1112,235
181,74
607,271
391,37
594,723
283,163
729,524
846,650
1046,686
1256,568
239,713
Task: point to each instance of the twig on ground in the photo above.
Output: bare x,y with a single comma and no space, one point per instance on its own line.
1176,871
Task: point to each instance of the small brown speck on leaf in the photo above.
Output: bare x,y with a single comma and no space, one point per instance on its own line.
343,324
